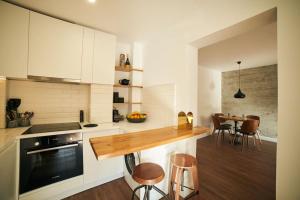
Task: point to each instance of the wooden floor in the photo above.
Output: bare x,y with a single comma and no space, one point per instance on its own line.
224,173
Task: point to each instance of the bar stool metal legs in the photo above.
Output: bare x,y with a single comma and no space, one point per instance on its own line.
148,188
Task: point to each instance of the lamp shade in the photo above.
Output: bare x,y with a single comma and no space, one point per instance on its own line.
239,94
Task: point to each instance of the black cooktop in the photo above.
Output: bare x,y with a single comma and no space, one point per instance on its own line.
44,128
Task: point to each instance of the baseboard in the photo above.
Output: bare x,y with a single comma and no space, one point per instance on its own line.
268,138
89,185
86,186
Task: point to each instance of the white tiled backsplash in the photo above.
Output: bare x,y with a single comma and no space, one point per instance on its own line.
101,103
159,103
51,102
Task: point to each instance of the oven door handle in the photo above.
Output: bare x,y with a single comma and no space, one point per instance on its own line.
51,149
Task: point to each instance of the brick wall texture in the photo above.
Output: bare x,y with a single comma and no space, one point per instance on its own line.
260,86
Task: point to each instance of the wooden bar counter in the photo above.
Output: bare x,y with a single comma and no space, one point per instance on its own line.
121,144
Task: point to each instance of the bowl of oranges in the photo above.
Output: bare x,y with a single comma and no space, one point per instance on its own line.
136,117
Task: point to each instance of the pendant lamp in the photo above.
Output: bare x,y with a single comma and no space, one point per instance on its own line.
239,94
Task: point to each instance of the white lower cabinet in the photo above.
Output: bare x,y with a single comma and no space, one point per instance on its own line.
99,171
8,173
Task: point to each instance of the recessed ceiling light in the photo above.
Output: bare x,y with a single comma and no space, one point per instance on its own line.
91,1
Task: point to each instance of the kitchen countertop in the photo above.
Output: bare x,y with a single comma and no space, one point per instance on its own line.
121,144
9,135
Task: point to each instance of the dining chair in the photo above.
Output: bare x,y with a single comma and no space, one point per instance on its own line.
222,121
255,117
248,128
220,127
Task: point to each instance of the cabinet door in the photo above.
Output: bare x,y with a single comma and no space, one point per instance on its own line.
55,47
104,58
14,23
100,171
87,55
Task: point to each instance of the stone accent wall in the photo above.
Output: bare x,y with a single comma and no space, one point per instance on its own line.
260,85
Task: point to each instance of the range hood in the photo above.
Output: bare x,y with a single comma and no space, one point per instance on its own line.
52,79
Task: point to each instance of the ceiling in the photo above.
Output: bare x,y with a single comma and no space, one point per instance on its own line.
128,19
254,48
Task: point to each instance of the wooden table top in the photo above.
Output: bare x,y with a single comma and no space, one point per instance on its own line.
121,144
233,118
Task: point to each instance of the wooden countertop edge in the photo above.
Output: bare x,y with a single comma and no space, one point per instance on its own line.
147,146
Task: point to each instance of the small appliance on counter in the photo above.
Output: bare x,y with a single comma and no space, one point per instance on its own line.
117,99
116,116
13,117
124,81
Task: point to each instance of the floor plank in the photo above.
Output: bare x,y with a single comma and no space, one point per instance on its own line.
225,173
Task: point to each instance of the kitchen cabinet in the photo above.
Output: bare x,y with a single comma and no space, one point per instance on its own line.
99,171
55,48
8,172
14,23
104,58
87,55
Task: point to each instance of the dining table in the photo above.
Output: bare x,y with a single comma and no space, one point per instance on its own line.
234,118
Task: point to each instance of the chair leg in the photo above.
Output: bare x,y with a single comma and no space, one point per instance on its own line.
230,136
213,132
178,181
145,194
160,192
195,178
233,140
134,191
172,180
218,135
242,142
182,180
254,140
258,135
247,141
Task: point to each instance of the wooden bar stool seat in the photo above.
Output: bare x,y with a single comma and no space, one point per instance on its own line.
179,164
148,174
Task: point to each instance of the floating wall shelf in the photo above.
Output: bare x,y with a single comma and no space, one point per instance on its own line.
129,103
130,69
128,86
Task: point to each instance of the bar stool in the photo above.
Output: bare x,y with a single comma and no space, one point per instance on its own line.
179,164
148,174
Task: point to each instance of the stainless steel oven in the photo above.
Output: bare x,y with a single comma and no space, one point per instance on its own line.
49,159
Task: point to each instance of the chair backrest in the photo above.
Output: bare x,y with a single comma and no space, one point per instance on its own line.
249,126
254,117
216,121
220,119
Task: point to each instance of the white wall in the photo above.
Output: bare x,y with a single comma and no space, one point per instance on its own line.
165,62
171,61
209,94
288,148
159,104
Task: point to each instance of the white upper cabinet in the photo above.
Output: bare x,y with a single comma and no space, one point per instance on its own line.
55,47
14,23
104,58
87,55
